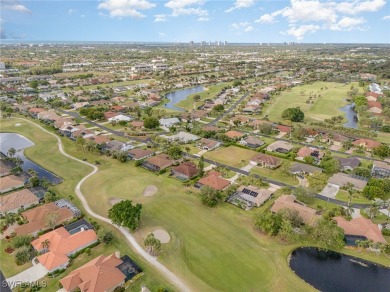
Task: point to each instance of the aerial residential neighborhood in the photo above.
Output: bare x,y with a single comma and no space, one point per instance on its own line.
200,158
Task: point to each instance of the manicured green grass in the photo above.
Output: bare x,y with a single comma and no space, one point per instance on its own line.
7,261
46,154
206,243
358,198
324,107
383,137
232,155
276,174
210,92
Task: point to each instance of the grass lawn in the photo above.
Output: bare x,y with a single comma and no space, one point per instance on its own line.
46,154
232,155
203,253
383,137
210,92
276,174
324,107
10,268
358,198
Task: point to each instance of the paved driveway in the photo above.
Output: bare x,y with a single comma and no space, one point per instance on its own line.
330,191
32,274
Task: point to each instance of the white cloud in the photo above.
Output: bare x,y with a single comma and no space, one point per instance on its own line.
160,18
241,4
126,8
266,18
14,5
187,7
347,23
204,19
308,16
387,17
161,34
357,6
299,31
71,11
242,27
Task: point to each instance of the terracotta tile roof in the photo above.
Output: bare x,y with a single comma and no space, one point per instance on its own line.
288,202
266,159
37,218
209,143
138,153
366,143
108,115
16,200
100,139
62,243
214,181
234,134
10,181
361,227
36,110
188,168
283,129
374,104
161,161
137,124
99,275
211,129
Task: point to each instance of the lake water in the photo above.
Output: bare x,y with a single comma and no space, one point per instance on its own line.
19,142
351,116
332,271
178,95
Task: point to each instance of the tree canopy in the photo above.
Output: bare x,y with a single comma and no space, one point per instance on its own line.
293,114
125,214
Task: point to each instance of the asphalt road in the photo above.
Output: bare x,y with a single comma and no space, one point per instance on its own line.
278,183
229,110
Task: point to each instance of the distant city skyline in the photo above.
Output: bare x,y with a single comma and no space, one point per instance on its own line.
239,21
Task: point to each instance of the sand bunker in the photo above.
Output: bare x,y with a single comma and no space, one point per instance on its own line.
149,191
162,235
18,124
114,201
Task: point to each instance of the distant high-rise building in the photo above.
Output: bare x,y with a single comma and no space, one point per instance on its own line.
191,43
2,65
225,43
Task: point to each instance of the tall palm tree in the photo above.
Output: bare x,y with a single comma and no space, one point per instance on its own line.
46,244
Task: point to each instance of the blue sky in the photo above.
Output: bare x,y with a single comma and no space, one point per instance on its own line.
344,21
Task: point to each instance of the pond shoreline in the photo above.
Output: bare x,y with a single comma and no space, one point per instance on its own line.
54,180
337,271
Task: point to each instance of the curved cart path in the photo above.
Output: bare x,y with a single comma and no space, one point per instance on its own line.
150,259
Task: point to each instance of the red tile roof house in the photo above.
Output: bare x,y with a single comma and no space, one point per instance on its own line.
308,215
208,144
265,161
235,135
99,275
108,115
361,227
37,218
157,163
139,154
61,245
185,171
12,202
374,107
368,144
308,151
35,111
10,182
214,181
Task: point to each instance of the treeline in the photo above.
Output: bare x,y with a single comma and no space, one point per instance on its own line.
40,70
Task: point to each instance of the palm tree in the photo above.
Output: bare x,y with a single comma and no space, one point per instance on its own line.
46,244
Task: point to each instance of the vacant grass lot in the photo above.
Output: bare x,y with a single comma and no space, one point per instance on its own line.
332,97
357,198
210,92
232,155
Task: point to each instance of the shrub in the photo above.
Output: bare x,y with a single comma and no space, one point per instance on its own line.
22,256
21,240
386,232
